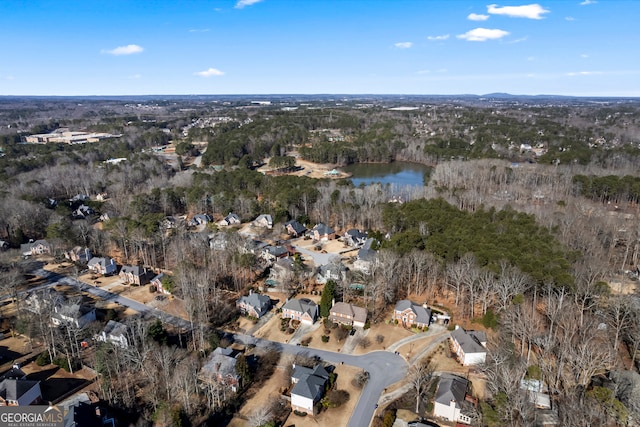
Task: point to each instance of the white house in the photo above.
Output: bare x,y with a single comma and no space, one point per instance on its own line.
115,333
309,385
469,346
450,401
77,315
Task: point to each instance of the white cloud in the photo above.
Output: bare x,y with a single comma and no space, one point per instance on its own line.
244,3
588,2
438,38
584,55
195,30
129,49
135,76
531,11
8,78
477,17
531,58
569,18
208,73
483,34
521,39
403,45
584,73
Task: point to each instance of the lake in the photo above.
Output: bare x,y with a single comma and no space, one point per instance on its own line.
400,174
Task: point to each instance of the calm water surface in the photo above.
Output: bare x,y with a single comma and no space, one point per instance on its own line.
397,173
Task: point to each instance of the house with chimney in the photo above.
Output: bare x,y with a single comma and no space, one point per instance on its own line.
309,385
103,266
450,402
254,305
301,309
348,314
410,314
134,275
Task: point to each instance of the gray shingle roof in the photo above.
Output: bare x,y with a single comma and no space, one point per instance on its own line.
467,342
323,229
451,388
423,315
310,381
302,305
261,303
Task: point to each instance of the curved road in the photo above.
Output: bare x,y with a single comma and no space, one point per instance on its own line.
385,368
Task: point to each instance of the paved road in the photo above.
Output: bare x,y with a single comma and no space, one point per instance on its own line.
385,368
434,330
55,278
318,257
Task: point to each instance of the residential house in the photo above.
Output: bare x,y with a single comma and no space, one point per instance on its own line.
85,413
294,228
77,315
336,272
231,219
271,253
282,272
469,346
39,301
308,388
450,401
354,237
38,247
19,392
83,211
79,254
157,282
221,368
538,393
200,219
15,373
303,310
115,333
254,304
409,314
104,266
4,245
134,275
264,221
366,257
323,232
348,314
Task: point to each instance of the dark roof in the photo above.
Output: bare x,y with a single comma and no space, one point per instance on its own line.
354,233
15,373
135,270
12,389
81,415
296,226
303,305
451,388
323,229
115,328
366,253
276,251
310,381
260,303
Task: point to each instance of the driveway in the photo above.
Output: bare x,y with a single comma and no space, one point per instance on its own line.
384,369
303,329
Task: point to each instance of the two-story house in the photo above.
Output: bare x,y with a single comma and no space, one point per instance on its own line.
221,368
115,333
323,232
308,388
134,275
409,314
103,266
294,228
303,310
450,401
254,304
348,314
469,346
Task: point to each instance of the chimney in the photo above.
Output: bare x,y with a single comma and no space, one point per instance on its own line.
250,292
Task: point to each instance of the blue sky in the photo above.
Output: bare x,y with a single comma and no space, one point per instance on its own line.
139,47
